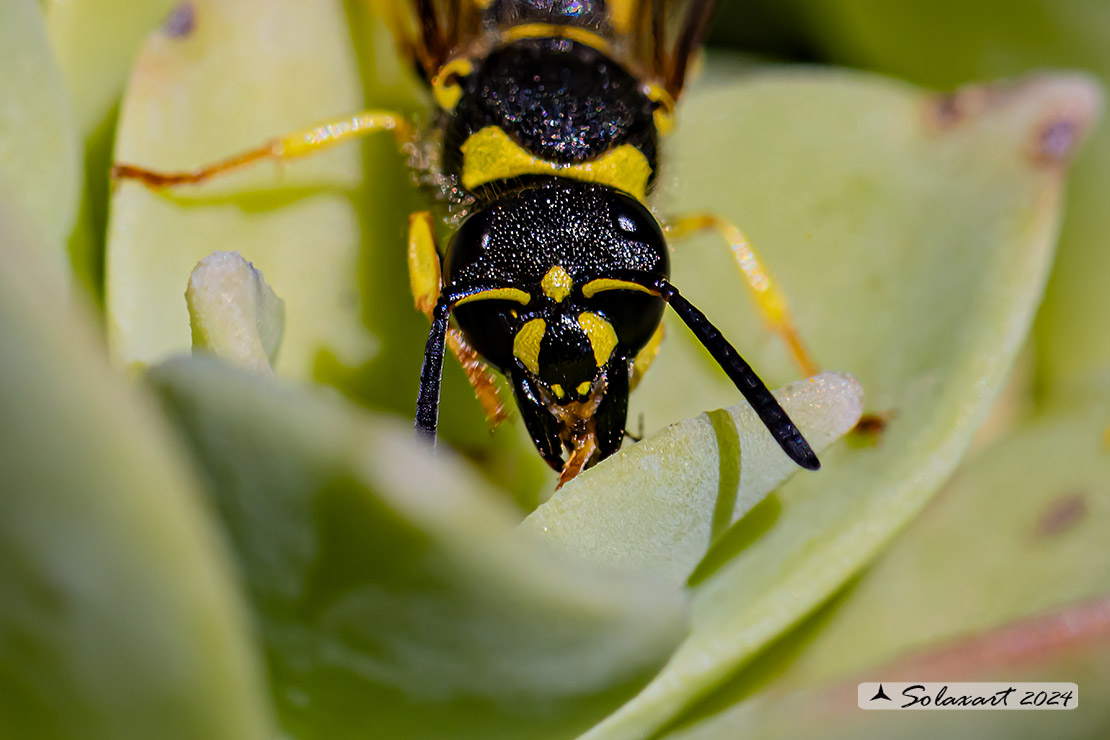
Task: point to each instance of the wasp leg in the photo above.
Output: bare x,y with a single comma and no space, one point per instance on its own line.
426,282
280,149
646,356
769,299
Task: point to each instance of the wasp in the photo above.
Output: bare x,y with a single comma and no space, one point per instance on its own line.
549,115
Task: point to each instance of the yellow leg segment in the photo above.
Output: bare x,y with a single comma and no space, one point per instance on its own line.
769,299
280,149
426,281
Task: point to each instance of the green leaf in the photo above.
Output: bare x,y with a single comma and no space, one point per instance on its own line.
39,167
327,231
913,249
980,42
1069,645
1020,529
234,314
659,504
95,42
180,112
117,610
396,598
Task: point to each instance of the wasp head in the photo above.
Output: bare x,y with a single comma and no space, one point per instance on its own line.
550,281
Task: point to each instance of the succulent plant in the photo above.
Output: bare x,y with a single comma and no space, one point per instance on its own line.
215,523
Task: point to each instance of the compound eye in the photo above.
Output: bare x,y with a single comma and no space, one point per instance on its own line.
631,219
470,243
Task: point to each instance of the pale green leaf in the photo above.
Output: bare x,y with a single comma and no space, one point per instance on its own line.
95,42
327,231
39,150
913,247
1020,529
659,504
180,112
234,314
1068,645
397,598
118,616
982,41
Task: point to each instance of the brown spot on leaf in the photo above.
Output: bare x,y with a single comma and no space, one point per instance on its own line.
870,427
1062,513
181,22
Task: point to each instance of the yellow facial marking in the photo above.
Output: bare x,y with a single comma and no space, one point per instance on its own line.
497,294
584,388
557,284
594,287
489,154
526,344
446,88
548,30
602,337
557,390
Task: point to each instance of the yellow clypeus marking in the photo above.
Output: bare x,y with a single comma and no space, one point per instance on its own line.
602,337
584,387
557,284
489,154
526,344
497,294
594,287
550,30
558,390
446,88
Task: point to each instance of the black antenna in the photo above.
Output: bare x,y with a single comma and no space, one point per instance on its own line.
772,415
431,374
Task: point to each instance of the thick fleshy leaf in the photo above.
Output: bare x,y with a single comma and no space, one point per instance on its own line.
118,615
913,246
179,112
327,231
1071,645
95,43
39,160
396,598
660,504
1020,529
981,41
233,312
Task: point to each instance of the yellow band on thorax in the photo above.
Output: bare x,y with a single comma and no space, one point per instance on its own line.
490,154
550,30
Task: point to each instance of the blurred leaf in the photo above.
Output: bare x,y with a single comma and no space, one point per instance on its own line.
1071,645
914,250
396,599
233,313
39,167
1020,529
95,43
118,617
659,504
948,42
